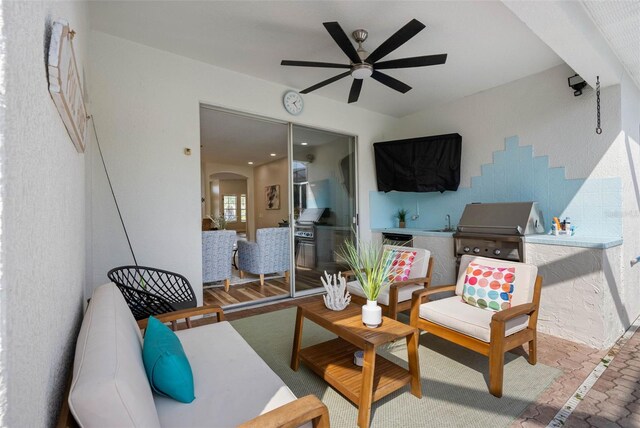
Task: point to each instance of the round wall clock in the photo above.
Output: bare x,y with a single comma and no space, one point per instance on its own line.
293,102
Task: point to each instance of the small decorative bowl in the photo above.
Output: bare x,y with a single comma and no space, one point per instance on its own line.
358,358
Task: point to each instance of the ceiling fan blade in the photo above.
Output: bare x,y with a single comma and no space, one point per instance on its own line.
354,93
389,81
314,64
396,40
416,61
341,38
325,82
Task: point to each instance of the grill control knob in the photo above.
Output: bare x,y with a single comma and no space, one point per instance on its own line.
497,252
466,249
476,250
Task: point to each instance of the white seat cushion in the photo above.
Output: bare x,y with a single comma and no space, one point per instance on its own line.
457,315
232,383
110,387
404,293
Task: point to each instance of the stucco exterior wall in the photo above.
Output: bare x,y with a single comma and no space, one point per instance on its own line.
148,112
43,219
582,295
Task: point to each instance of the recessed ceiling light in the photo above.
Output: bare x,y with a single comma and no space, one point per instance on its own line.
304,144
250,163
272,155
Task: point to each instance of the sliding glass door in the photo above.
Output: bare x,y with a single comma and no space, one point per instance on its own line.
323,203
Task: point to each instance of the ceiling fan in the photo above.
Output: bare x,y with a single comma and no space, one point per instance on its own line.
364,64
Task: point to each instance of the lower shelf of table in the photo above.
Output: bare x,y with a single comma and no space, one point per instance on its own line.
333,361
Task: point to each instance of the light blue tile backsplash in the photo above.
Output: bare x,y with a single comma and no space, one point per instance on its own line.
515,175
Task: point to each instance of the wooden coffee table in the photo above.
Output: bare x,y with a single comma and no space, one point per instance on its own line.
333,360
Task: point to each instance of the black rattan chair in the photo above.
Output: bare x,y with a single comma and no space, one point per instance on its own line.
150,291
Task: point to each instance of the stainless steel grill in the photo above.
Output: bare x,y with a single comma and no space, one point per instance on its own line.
497,230
305,237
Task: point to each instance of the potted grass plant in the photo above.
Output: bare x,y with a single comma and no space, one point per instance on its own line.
401,215
371,265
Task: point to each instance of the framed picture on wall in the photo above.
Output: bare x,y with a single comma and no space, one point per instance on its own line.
272,197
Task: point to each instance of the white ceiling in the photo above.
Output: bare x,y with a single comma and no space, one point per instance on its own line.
619,23
235,139
487,45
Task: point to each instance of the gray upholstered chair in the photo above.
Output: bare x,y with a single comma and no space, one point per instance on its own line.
269,254
217,253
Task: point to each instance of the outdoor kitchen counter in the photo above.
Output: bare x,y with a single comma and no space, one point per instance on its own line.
574,241
566,241
414,232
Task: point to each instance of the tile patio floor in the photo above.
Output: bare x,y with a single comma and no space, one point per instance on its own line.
614,400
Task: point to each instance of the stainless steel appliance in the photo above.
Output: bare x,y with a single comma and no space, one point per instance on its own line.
497,230
306,237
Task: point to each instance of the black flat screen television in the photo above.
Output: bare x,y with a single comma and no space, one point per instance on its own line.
424,164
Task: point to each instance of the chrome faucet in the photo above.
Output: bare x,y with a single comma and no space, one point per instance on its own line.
448,217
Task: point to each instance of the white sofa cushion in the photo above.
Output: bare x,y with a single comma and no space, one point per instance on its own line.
232,383
110,387
457,315
523,285
404,293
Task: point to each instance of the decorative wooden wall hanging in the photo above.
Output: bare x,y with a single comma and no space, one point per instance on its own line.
65,85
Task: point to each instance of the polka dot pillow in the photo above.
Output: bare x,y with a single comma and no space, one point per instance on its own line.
488,287
401,265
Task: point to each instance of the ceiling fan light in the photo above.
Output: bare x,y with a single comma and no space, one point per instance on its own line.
361,71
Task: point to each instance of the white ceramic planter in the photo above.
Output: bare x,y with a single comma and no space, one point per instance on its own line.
371,314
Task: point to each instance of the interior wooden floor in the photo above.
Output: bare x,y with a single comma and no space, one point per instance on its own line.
306,279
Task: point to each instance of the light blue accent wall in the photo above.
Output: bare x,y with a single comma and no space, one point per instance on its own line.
516,175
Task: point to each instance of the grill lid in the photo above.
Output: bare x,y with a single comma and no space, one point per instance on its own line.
512,218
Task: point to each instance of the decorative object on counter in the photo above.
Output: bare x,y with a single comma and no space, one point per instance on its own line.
219,223
401,215
371,266
284,223
337,297
564,228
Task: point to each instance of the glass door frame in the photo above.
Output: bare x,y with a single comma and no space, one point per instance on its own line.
355,221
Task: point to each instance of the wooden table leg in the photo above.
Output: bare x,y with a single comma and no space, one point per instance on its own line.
297,341
366,391
414,365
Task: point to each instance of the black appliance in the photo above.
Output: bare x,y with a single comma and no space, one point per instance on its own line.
424,164
397,239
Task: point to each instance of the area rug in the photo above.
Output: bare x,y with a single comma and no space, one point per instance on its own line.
454,379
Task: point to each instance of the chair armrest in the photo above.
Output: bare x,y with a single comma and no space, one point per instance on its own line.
421,294
185,313
292,415
411,281
418,296
513,312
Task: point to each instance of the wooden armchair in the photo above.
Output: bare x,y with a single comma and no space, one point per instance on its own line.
397,297
483,331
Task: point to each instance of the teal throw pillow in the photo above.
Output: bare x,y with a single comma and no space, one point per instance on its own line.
166,364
